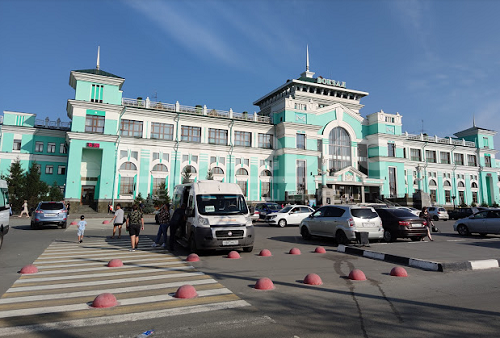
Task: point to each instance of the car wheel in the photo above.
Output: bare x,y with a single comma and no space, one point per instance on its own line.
435,218
305,233
389,236
341,237
64,225
282,223
192,244
32,225
248,249
463,230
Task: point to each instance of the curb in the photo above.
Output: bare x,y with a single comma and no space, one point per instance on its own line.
420,263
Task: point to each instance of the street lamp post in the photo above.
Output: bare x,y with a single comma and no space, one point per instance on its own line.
453,198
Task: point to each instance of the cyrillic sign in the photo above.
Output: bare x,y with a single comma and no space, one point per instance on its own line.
330,82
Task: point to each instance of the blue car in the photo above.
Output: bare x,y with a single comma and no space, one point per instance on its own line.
49,213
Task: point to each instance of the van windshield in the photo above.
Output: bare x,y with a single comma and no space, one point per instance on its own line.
221,204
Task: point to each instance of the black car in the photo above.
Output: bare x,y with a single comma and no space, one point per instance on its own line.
398,223
262,209
459,213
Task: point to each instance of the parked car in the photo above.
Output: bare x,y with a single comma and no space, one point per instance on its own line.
482,222
459,213
49,213
400,223
262,209
342,222
438,213
292,214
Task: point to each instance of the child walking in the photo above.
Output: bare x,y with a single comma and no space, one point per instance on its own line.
81,228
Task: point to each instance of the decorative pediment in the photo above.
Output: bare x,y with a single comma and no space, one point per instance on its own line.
349,174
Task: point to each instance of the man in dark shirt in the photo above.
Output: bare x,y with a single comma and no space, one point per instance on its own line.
177,221
164,219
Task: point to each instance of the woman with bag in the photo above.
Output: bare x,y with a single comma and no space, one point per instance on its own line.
428,219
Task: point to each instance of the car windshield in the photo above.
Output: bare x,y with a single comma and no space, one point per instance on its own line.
401,213
274,207
221,204
51,206
285,209
364,213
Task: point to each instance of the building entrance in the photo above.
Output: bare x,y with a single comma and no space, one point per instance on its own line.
87,197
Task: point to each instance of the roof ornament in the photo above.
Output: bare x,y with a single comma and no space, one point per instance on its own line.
98,56
473,120
307,58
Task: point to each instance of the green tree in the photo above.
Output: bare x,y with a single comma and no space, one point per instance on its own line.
186,174
55,193
210,174
162,196
138,199
148,205
35,190
15,181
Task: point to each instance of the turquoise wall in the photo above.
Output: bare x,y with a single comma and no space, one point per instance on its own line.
112,94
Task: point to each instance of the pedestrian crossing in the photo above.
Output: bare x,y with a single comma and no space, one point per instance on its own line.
71,275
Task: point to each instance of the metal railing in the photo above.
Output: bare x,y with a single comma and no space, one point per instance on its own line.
435,139
46,123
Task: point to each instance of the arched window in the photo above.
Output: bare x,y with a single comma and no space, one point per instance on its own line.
128,166
473,185
340,149
242,171
432,183
160,167
217,171
461,184
189,169
447,184
265,173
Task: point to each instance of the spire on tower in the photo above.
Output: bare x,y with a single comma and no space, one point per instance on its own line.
98,56
307,73
473,120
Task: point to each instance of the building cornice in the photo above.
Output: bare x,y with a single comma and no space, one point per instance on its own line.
91,105
91,137
87,77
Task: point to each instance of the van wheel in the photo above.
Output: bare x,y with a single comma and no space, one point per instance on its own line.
248,249
388,236
192,244
341,237
282,223
305,233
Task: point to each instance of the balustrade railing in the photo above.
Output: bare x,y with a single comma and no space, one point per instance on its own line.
435,139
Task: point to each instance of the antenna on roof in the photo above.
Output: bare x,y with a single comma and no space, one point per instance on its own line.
98,56
474,121
307,58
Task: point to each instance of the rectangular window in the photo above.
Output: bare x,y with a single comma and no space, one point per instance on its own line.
97,93
39,147
213,159
156,185
320,145
94,124
415,154
51,148
49,169
126,186
301,176
194,159
487,161
243,185
433,195
63,149
131,128
217,136
301,141
134,154
162,131
243,138
266,141
391,149
266,189
246,162
123,153
430,156
61,170
392,182
185,158
166,157
447,196
471,160
190,134
156,156
238,161
474,197
222,160
17,145
445,157
486,142
459,159
262,163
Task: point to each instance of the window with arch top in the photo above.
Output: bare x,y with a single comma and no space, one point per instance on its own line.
128,166
242,171
339,149
160,167
266,172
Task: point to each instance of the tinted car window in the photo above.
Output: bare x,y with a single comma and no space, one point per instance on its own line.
304,210
51,206
401,213
319,213
335,212
273,207
364,213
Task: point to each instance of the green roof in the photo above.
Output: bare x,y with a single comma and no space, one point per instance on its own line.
97,72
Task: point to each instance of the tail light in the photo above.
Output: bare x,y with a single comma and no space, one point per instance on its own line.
424,223
405,223
350,221
38,212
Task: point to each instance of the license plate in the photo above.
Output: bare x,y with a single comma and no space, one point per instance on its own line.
417,225
50,215
233,242
368,225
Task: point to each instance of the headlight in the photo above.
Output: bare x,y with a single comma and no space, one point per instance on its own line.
273,217
203,221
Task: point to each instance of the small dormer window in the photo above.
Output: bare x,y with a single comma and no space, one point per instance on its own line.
97,93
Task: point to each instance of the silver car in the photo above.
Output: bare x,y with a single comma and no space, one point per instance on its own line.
292,214
342,222
49,213
438,213
482,222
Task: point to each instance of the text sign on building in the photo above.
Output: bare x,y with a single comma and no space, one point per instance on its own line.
330,82
93,145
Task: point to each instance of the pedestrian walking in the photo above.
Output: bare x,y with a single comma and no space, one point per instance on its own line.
428,220
164,218
81,228
110,208
178,221
67,208
135,223
118,220
25,209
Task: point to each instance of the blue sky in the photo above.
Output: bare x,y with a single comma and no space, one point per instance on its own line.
435,62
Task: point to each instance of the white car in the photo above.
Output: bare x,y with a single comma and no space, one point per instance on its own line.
292,214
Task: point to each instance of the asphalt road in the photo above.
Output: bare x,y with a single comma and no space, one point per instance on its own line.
425,304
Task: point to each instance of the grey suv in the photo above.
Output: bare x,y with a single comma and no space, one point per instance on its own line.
342,222
49,213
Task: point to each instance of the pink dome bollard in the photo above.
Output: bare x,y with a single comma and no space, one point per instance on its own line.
294,251
27,269
193,258
264,284
357,274
105,222
313,279
186,291
233,255
115,263
265,253
320,249
398,271
73,223
104,300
